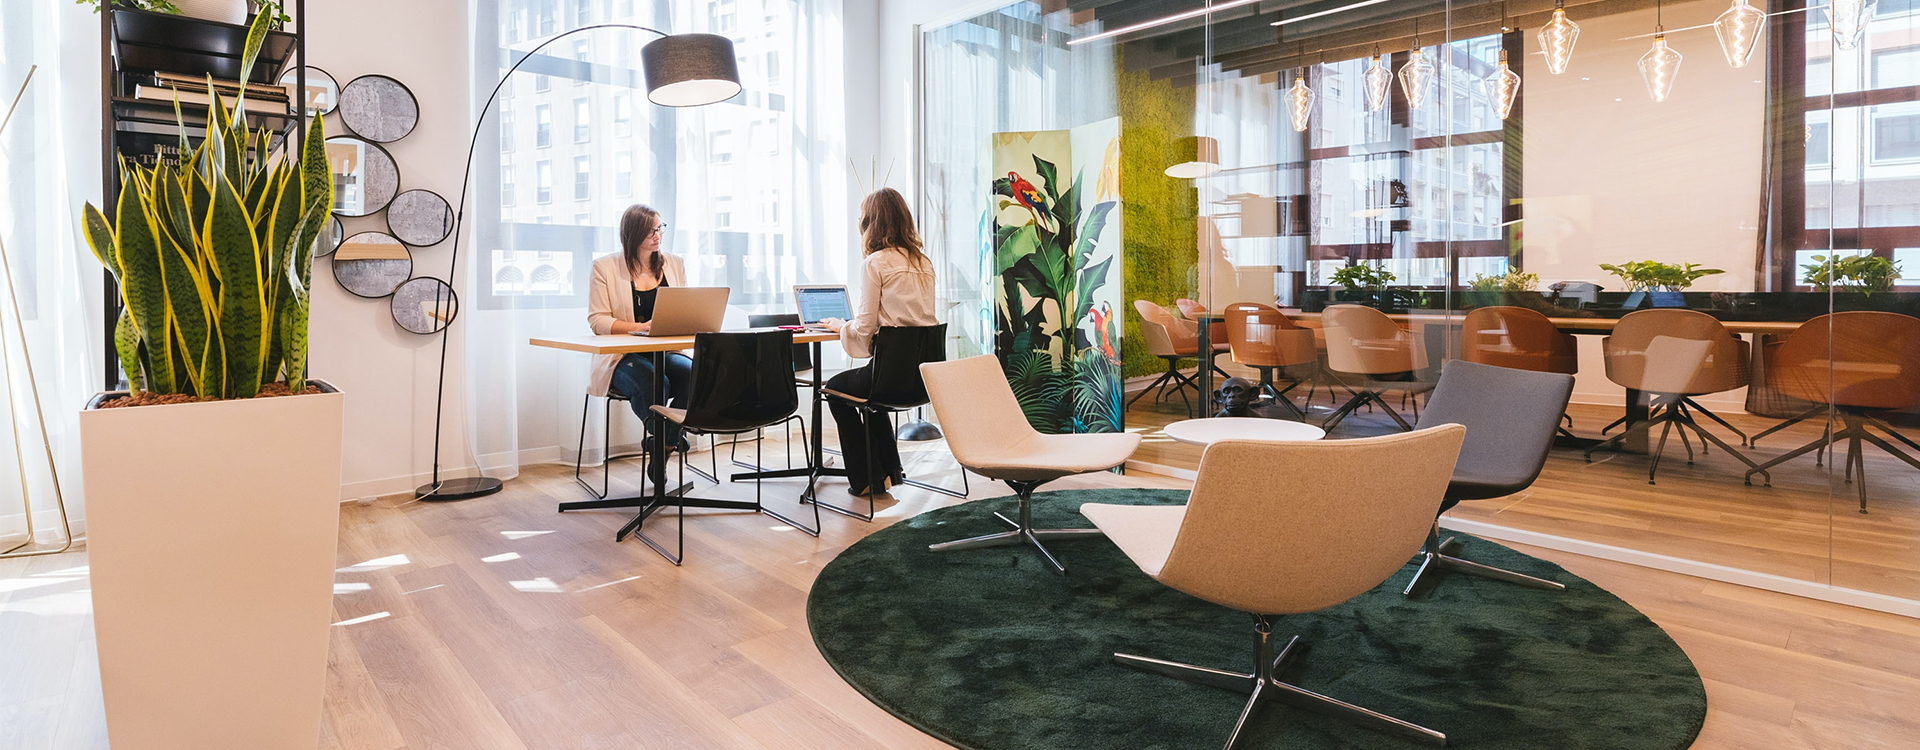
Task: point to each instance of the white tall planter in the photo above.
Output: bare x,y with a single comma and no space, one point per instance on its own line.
211,530
225,11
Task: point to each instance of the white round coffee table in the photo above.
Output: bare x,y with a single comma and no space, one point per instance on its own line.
1215,429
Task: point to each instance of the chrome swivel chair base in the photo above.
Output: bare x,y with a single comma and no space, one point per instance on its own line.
1436,560
1265,687
1023,531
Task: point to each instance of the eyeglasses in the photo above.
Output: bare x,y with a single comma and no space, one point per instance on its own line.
662,229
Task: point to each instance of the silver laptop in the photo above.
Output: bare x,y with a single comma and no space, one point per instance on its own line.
817,302
687,310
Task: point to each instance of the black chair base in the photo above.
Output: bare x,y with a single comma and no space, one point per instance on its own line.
1173,378
1023,531
1436,560
1264,687
1854,431
1362,397
869,411
1669,412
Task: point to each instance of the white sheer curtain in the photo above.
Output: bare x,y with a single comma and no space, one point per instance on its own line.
753,190
50,159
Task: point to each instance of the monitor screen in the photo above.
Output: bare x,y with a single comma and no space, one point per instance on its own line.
822,302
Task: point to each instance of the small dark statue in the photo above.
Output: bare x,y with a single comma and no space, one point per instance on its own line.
1240,397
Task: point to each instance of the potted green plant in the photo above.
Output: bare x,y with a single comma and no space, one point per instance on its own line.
1362,283
1654,276
1852,273
224,11
213,484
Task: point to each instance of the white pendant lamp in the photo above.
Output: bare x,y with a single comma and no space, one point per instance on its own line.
1849,20
1300,99
1379,82
1739,31
1416,77
1503,87
1557,38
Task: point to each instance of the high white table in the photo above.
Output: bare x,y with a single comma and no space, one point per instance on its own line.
1212,430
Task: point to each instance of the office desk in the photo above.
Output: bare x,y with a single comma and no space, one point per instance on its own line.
659,498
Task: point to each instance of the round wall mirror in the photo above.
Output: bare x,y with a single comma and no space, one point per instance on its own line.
323,93
378,108
420,218
365,177
425,305
372,264
330,236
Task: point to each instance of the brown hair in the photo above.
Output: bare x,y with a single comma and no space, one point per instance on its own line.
885,222
636,224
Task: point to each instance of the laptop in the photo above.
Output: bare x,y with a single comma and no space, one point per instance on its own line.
817,302
687,310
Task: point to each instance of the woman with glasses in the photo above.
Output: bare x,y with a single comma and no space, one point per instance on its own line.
620,300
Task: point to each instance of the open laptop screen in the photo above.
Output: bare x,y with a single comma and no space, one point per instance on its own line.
818,303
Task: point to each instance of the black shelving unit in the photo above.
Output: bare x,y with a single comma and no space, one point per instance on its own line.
135,44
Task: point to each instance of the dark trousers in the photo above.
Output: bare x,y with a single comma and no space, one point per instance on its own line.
633,378
863,468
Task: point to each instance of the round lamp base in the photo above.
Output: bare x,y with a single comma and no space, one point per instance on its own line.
918,431
458,489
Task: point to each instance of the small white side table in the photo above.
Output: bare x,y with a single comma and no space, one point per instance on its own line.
1215,429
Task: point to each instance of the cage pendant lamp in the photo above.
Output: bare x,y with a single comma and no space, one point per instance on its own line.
1300,98
1557,38
1503,87
1739,31
1379,82
1416,77
1849,20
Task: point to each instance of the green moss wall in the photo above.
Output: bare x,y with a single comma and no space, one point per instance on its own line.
1160,228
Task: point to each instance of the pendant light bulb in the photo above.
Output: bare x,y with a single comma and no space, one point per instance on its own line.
1503,87
1379,83
1557,38
1849,20
1739,31
1659,67
1300,98
1416,78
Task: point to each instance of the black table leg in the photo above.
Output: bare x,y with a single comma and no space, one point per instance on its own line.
815,463
1206,367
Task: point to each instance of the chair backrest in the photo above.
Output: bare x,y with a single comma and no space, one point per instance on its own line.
1257,545
1517,337
741,380
898,352
977,408
1511,417
1178,336
1861,359
1262,336
1364,341
1190,309
802,353
1637,358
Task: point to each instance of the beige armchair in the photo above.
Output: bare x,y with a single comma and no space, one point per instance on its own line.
1369,355
1672,356
1277,548
989,435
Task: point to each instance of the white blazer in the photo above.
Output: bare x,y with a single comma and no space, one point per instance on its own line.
610,298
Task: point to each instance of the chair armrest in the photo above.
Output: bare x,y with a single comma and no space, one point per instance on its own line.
677,416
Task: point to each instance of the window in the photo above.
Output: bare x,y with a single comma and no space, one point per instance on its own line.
583,53
549,12
542,83
623,173
543,126
506,130
506,186
582,121
723,17
1907,259
1893,68
582,178
583,15
622,115
720,147
769,207
773,67
583,220
543,182
723,212
1896,137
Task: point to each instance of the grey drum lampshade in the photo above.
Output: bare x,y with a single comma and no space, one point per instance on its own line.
690,70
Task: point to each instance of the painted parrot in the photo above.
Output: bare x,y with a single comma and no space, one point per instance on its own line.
1102,317
1027,195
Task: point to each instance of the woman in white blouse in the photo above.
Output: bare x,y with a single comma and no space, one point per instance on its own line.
896,290
620,300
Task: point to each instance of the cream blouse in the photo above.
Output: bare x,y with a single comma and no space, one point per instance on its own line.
894,291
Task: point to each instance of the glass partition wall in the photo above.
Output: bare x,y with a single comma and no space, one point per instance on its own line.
1707,212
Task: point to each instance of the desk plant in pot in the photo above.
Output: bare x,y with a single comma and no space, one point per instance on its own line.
1363,284
213,483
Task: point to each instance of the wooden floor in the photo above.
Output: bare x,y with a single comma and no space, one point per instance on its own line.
1701,512
499,623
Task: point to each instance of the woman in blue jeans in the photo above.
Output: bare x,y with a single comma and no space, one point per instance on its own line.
620,300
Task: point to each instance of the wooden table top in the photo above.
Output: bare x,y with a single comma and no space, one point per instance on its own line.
620,343
1573,324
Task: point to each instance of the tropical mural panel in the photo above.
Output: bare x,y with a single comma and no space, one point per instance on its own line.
1057,274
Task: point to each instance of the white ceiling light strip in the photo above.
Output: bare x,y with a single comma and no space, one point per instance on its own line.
1342,9
1195,13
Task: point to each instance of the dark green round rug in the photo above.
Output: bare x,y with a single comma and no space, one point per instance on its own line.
989,650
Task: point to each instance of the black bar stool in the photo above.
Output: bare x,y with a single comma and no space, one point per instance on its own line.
606,444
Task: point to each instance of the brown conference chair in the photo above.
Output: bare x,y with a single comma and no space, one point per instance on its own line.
1175,340
1857,363
1674,355
1196,312
1519,338
1261,337
1369,354
1268,548
989,435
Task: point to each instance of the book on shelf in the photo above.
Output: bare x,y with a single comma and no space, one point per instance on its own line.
189,96
272,91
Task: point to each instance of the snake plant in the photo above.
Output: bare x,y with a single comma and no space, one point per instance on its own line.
213,255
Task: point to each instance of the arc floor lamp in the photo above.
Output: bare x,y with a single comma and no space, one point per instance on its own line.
682,70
